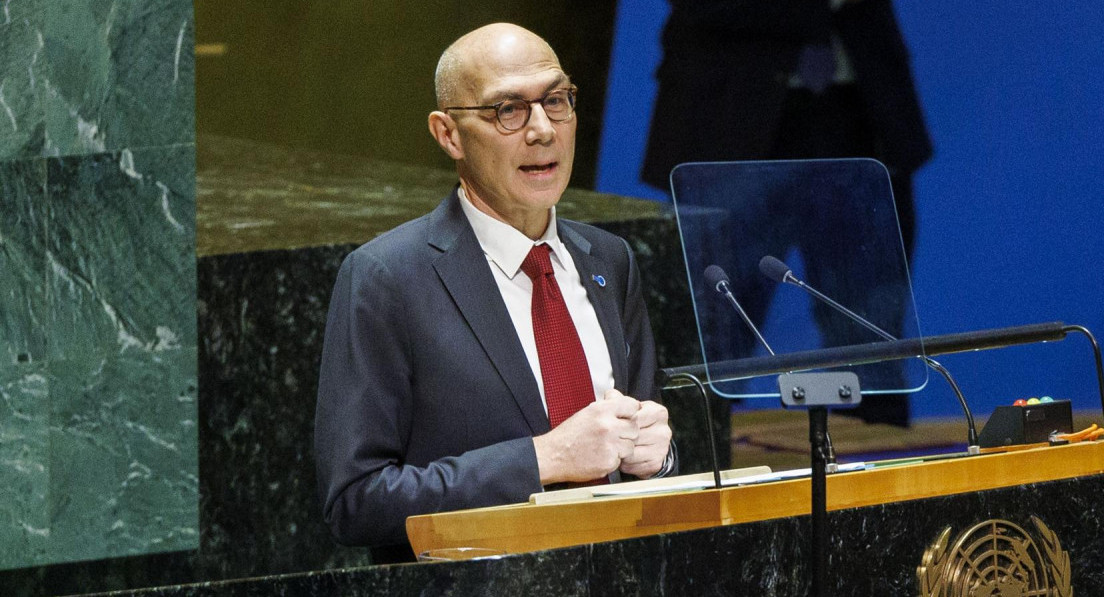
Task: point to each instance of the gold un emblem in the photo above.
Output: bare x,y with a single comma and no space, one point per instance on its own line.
996,558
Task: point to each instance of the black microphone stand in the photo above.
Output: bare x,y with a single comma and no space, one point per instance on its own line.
818,481
708,422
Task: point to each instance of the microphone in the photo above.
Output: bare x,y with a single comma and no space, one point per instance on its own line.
717,279
774,269
778,271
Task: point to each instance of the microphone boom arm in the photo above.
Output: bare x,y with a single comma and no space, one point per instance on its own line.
972,434
743,315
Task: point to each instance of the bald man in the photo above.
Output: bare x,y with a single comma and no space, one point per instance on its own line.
432,394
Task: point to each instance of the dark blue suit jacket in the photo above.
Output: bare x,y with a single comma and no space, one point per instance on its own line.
426,401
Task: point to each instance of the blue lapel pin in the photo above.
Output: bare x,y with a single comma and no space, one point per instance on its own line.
600,280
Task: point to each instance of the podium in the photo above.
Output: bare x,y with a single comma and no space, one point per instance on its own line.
900,528
885,523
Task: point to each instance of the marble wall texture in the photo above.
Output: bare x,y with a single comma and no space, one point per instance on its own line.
98,384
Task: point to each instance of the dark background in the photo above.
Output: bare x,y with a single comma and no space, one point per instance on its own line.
356,77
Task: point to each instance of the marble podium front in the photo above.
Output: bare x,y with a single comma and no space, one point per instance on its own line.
875,551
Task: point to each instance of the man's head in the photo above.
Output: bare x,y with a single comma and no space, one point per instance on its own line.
515,176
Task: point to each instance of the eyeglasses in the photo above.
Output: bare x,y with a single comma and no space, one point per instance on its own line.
513,114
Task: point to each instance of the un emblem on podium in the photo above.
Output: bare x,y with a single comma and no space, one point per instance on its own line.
996,558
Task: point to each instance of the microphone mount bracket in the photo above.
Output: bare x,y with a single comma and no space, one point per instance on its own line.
829,388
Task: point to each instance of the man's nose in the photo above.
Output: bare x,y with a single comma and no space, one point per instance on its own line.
539,129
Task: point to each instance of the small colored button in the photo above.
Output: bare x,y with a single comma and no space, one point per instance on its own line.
1046,399
1031,401
1020,402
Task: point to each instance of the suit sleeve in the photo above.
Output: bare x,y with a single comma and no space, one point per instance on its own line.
364,417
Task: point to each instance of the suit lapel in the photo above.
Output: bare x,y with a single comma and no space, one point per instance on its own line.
604,300
602,297
463,269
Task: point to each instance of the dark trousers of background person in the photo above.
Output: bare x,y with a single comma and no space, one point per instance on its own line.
832,125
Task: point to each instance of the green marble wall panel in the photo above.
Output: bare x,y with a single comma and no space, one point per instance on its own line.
123,456
98,434
118,74
24,481
23,220
22,113
121,271
122,365
80,77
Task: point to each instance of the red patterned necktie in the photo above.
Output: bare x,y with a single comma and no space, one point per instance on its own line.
563,364
567,385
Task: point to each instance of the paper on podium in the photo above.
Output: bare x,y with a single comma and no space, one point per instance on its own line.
729,478
765,477
661,485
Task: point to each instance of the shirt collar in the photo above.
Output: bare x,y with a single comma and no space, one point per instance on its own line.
505,245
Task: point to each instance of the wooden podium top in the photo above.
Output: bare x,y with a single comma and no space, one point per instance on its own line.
529,527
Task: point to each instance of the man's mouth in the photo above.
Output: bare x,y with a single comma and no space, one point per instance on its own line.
539,168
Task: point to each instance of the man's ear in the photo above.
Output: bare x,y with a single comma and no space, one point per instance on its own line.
443,128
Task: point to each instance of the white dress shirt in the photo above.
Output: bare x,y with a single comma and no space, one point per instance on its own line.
506,248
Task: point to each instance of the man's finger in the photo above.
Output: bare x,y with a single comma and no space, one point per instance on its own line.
640,467
650,413
659,433
624,428
624,403
612,394
625,448
625,408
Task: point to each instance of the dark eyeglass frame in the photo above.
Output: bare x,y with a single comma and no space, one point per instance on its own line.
571,93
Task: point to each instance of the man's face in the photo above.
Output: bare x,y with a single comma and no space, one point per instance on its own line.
517,175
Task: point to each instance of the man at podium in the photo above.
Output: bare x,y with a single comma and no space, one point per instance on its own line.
489,349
